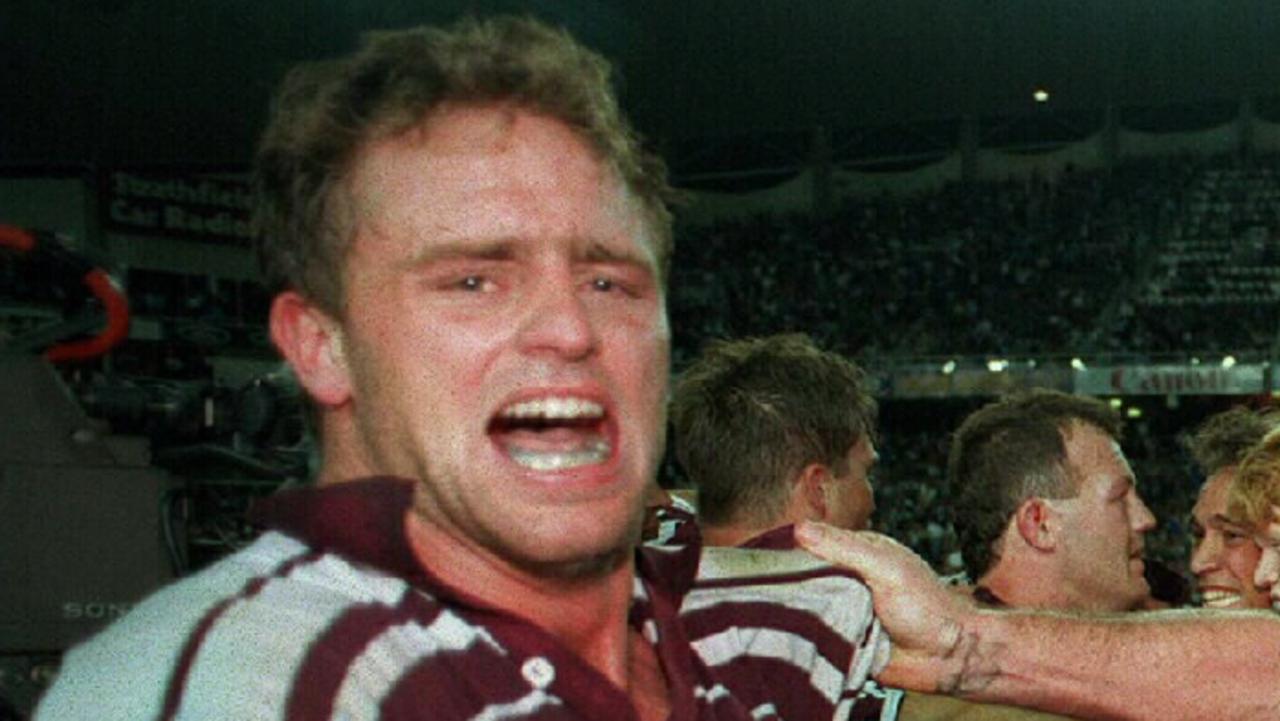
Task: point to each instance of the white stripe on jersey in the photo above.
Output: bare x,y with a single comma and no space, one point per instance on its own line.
335,575
818,597
720,562
247,637
734,643
764,710
639,594
373,673
530,704
715,693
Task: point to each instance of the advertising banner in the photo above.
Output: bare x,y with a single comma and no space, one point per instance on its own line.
1190,380
210,207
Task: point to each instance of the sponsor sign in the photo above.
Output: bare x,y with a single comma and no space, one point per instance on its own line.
196,206
1190,380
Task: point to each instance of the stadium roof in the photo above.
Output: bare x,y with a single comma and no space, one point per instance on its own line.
137,82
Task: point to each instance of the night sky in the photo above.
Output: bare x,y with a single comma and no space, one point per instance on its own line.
145,82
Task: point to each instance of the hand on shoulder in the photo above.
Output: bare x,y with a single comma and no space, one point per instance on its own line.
926,619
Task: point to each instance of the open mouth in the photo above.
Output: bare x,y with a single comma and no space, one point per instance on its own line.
552,433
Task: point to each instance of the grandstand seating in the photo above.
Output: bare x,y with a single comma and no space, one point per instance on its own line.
1152,256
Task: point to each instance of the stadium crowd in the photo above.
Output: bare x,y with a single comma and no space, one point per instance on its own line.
1094,261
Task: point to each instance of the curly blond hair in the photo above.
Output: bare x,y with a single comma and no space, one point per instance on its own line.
1255,492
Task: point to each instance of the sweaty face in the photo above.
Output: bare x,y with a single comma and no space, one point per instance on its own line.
505,336
1103,526
1267,575
1225,555
849,497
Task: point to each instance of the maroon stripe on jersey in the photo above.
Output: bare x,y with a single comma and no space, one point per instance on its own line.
329,658
782,538
778,580
456,685
765,680
593,694
353,519
178,682
836,649
866,635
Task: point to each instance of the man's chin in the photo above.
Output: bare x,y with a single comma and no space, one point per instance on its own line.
579,566
587,553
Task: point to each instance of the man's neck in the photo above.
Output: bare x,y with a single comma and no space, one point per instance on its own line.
1025,585
587,613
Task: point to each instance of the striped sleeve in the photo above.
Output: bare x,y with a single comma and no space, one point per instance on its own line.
125,671
302,636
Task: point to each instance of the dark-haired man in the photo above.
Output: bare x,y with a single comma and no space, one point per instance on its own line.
470,251
1046,506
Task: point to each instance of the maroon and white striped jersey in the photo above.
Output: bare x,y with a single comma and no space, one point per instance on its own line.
329,616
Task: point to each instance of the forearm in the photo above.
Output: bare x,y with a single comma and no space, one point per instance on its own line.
1179,664
1166,665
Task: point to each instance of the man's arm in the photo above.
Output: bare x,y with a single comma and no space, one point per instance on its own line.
1171,664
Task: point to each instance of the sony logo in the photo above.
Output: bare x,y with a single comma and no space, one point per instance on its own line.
92,610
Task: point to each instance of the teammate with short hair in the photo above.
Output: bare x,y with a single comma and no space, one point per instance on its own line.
1046,506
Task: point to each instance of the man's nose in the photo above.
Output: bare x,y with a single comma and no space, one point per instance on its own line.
1204,556
558,320
1143,519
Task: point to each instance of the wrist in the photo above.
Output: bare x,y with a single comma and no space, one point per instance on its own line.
973,651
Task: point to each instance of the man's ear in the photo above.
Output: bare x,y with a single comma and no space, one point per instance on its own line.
810,489
1036,524
312,342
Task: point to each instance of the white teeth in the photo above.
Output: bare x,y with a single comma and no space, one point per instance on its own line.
556,451
554,408
560,460
1219,599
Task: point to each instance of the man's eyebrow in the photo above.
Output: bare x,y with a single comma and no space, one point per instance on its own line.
1219,520
594,251
487,249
